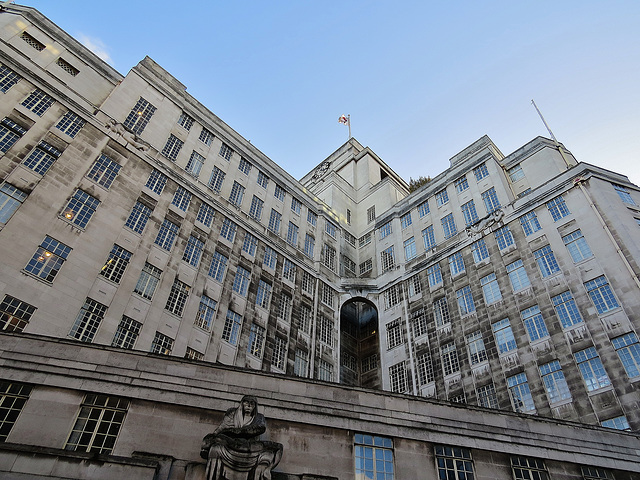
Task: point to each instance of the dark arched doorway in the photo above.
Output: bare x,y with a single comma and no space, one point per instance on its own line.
359,344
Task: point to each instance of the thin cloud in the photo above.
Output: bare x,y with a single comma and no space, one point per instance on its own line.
96,46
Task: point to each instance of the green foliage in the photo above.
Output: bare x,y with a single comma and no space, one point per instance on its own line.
416,184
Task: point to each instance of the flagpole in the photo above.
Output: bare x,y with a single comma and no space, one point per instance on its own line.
349,124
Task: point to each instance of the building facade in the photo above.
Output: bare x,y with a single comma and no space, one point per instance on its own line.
132,217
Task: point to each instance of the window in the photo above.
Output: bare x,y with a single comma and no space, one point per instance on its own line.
10,132
394,334
557,208
490,289
206,136
80,208
256,340
225,151
241,281
32,41
13,397
405,220
237,194
546,261
465,301
284,308
104,171
138,217
308,282
292,234
185,121
529,222
366,266
270,257
534,323
619,423
441,312
67,67
70,124
504,335
434,274
461,184
205,214
490,199
38,102
327,295
172,147
419,323
181,199
139,116
601,294
116,264
8,78
279,193
10,200
385,230
193,251
329,257
244,166
515,173
423,209
206,313
88,321
148,281
481,172
330,228
98,424
325,330
371,214
263,297
279,356
487,396
162,344
216,179
301,363
263,180
456,264
469,213
623,193
325,371
41,158
442,197
195,163
228,230
126,333
391,296
312,218
156,181
504,238
192,354
374,457
527,468
448,226
309,244
454,463
591,368
628,350
479,251
566,309
177,297
231,329
14,314
521,398
255,210
595,473
218,266
48,259
166,235
410,251
577,246
387,259
274,221
449,357
425,369
413,285
518,276
306,316
250,244
428,238
350,239
398,378
554,382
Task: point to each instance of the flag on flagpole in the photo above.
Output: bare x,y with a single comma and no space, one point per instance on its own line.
343,119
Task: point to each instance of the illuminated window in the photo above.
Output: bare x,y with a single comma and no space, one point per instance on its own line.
139,116
48,259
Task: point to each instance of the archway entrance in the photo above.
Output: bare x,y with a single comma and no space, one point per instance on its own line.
359,344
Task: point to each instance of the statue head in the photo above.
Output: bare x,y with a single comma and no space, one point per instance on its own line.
249,405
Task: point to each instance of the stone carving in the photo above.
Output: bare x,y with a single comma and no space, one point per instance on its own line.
484,223
128,136
234,451
321,170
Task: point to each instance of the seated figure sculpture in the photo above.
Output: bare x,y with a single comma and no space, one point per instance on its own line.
234,449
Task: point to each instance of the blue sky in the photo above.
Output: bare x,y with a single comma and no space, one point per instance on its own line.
421,80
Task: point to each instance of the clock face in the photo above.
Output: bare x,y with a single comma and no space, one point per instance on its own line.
321,170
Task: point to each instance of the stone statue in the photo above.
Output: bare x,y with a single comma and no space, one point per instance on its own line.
129,137
484,223
234,451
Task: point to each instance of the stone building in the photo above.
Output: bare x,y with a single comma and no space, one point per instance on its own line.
153,259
